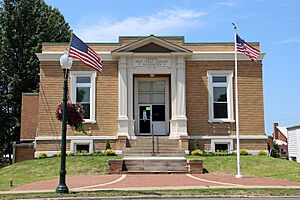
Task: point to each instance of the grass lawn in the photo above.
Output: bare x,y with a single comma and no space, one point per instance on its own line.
261,166
48,168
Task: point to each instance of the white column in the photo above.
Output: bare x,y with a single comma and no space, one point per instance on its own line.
181,105
173,123
130,103
123,117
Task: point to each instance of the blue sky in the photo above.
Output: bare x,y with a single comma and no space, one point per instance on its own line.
273,23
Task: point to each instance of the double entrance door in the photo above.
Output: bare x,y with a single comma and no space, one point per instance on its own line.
152,107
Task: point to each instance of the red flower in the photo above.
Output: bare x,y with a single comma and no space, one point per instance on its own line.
75,115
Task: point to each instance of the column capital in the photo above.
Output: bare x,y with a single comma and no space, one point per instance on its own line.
180,62
122,62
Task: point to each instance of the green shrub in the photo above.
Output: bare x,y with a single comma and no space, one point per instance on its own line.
107,145
109,152
197,152
42,155
244,152
275,150
82,153
222,153
209,153
262,153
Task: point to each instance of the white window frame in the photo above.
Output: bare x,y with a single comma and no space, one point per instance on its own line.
74,143
229,84
229,142
93,75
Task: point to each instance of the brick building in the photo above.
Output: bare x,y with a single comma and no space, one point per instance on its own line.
280,137
24,150
180,92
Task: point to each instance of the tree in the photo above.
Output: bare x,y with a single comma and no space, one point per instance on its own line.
24,25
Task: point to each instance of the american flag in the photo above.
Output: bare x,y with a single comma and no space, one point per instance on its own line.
83,52
247,49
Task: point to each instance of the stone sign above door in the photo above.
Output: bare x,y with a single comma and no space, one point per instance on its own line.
151,62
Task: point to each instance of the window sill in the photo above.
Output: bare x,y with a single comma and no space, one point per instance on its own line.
89,121
221,120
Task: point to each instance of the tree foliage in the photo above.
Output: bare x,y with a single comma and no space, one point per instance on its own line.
24,25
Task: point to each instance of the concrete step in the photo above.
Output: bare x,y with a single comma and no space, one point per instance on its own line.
155,148
155,165
150,151
144,152
162,146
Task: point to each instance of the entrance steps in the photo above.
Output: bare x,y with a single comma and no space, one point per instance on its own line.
163,146
152,164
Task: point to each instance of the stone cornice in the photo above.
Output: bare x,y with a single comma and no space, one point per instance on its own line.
108,56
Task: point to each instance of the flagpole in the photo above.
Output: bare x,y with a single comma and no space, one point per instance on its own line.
238,175
71,37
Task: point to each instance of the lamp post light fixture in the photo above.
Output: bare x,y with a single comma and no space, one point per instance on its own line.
66,64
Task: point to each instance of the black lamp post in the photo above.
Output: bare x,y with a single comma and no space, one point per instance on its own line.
66,64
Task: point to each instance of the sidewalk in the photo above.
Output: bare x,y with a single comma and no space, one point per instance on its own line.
155,182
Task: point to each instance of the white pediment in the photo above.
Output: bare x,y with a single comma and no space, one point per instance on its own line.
151,44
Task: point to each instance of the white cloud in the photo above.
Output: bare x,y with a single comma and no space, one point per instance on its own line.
228,3
287,41
170,22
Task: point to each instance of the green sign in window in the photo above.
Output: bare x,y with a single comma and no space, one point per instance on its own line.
148,108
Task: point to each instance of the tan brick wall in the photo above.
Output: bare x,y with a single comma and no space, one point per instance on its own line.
106,47
251,108
50,145
100,145
29,116
51,88
252,144
55,145
203,144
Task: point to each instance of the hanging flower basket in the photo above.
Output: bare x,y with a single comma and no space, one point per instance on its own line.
75,115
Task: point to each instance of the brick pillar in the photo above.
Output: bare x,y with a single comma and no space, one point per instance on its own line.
121,143
184,143
275,131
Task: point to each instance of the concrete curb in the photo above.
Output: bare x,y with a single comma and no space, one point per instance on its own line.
166,197
152,188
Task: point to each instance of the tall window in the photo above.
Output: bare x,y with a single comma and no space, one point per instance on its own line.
220,104
220,96
83,92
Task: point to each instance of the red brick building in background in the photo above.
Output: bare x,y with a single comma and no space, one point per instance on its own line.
280,138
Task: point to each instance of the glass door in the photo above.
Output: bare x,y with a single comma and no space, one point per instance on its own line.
145,119
152,107
158,119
